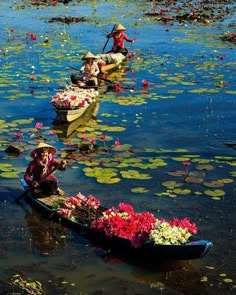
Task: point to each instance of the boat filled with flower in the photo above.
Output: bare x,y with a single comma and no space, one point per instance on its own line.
123,231
110,61
72,102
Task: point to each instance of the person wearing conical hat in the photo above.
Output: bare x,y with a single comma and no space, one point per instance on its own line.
119,37
37,174
89,69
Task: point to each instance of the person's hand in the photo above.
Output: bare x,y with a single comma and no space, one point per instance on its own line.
35,184
63,164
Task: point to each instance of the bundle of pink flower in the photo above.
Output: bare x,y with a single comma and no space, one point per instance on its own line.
126,224
73,97
78,200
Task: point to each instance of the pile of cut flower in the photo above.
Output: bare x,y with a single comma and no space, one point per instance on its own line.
73,97
125,223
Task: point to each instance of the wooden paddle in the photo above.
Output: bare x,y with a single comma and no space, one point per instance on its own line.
99,78
24,194
108,38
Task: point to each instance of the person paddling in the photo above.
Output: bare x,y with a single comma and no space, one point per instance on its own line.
38,174
89,69
118,40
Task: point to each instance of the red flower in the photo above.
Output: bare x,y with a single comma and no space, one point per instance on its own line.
145,82
54,3
12,30
92,140
18,135
186,164
73,97
117,143
32,78
103,136
117,87
83,137
33,37
39,125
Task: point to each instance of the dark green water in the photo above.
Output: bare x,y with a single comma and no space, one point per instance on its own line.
186,114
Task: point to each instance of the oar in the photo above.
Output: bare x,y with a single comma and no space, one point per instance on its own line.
24,194
108,39
99,78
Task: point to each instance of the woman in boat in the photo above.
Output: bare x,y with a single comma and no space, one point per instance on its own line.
89,69
38,174
118,40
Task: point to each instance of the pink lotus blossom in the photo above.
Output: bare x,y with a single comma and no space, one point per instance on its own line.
38,125
83,137
103,136
145,82
18,135
117,143
92,140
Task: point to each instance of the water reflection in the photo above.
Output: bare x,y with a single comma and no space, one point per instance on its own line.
46,236
66,131
165,276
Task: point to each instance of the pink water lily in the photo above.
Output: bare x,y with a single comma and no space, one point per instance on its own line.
39,125
18,135
117,143
145,82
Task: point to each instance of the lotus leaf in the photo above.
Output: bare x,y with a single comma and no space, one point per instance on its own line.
181,191
227,180
133,174
205,167
9,174
193,180
171,184
177,173
214,193
108,180
166,194
181,159
197,174
214,183
139,190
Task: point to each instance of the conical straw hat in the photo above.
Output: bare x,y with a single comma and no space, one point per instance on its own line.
41,145
120,28
88,55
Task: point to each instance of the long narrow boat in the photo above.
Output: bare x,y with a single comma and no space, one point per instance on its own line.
71,103
148,251
110,61
67,130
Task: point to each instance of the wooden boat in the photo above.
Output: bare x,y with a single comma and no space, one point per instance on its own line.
66,130
119,246
72,102
109,62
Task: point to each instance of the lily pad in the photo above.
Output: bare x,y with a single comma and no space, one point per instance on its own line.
139,190
193,180
214,183
177,173
171,184
182,191
214,193
205,167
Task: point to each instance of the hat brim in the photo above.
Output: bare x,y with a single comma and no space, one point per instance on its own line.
51,150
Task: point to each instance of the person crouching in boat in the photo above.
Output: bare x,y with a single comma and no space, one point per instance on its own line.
90,70
118,40
38,174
